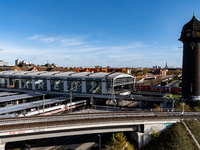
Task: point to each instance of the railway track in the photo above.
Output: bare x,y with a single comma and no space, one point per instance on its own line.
69,117
77,122
75,119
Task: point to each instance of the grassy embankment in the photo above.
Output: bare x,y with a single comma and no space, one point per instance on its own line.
173,96
176,138
194,126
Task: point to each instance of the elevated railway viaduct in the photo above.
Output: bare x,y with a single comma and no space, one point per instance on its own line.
142,124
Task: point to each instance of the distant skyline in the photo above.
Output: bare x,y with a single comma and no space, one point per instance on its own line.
87,33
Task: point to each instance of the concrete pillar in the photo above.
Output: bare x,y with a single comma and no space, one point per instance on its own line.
139,128
103,83
91,102
48,84
164,103
65,85
114,101
2,146
33,83
8,82
117,102
140,104
141,138
138,137
20,83
83,86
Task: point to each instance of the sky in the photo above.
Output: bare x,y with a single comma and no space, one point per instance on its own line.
87,33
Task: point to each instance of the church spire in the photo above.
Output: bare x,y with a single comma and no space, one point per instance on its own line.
166,65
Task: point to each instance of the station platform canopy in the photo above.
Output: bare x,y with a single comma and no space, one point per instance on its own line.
24,106
18,97
63,74
2,94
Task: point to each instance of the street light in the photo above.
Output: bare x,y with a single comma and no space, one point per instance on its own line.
43,103
99,141
183,108
70,100
173,100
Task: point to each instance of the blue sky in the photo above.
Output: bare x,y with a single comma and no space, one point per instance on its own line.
116,33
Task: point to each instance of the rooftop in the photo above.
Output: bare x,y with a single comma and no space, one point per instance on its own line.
64,74
191,29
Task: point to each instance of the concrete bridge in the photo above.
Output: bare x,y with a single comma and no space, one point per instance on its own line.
142,125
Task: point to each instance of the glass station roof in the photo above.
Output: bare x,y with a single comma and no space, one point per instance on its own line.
63,74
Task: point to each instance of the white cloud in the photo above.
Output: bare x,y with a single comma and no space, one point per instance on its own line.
66,41
35,37
48,39
78,51
71,42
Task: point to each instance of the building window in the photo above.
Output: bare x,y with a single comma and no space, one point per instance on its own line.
26,83
93,86
41,84
14,83
56,85
74,85
3,82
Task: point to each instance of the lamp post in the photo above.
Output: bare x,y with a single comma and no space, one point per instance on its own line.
70,100
43,103
99,141
183,108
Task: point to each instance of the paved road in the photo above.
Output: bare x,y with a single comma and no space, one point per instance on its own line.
80,142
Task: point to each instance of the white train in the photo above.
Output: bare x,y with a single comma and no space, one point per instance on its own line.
54,109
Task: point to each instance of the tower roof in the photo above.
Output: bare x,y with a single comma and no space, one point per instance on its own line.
191,29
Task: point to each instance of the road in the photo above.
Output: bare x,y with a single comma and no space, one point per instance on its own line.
80,142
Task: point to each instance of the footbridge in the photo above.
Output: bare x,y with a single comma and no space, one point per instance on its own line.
142,124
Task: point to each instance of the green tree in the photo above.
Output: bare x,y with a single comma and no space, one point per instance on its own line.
119,142
145,70
155,135
186,106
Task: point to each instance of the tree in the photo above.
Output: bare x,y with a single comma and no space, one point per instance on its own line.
119,142
155,135
186,106
145,70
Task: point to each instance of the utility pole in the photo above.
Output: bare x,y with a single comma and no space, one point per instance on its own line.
173,104
99,141
43,103
183,108
70,100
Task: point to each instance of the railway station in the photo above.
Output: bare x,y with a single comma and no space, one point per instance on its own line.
22,92
30,104
100,85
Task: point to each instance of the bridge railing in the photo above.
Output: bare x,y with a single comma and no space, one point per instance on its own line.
167,109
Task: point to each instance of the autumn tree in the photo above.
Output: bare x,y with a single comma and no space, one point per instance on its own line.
145,70
186,106
119,142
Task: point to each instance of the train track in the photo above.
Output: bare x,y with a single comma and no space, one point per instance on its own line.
77,122
69,117
75,119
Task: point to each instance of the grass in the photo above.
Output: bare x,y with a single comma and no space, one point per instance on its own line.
194,126
174,138
177,97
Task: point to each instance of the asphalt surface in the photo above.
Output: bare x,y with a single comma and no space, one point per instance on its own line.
80,142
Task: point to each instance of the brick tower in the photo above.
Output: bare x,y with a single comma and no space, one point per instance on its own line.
190,36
